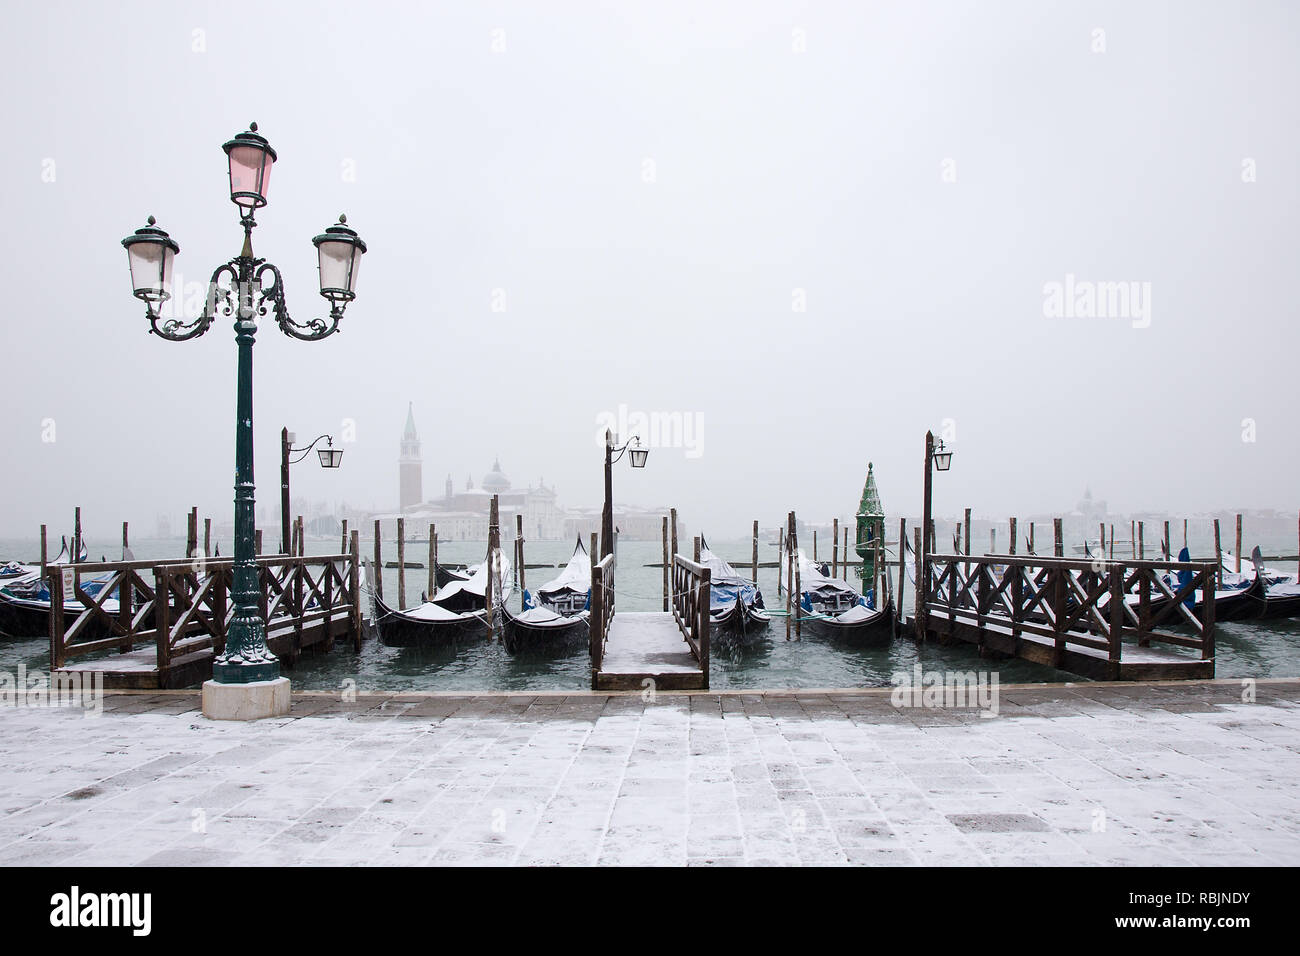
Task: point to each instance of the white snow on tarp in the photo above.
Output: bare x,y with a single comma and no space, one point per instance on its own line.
544,615
476,584
575,577
813,580
857,614
428,611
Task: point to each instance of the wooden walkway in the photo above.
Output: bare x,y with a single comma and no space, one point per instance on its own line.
648,645
663,650
1096,618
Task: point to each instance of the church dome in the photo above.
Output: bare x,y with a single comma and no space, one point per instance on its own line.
496,481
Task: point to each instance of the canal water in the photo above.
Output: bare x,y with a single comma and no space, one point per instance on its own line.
1258,649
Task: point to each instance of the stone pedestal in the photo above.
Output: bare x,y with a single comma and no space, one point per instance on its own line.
268,698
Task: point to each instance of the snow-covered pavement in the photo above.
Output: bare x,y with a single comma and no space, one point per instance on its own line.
1084,774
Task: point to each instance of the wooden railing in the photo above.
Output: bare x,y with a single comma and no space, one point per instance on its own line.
185,606
602,608
691,597
1073,601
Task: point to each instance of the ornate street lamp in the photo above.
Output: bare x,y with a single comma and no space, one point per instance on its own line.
639,455
936,453
330,457
252,285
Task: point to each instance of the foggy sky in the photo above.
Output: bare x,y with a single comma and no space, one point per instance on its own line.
795,146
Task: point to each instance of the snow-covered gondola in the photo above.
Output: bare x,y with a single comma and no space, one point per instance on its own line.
458,613
737,615
1237,597
833,609
557,617
25,607
444,575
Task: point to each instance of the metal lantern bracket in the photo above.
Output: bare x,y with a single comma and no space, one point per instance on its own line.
621,450
307,451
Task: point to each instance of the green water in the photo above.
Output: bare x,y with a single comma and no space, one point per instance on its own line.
1257,649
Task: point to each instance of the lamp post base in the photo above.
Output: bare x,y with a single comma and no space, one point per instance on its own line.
255,700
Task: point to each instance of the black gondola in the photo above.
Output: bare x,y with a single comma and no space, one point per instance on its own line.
737,615
835,610
557,619
1239,599
456,615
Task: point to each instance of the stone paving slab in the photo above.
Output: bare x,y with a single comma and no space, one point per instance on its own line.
1086,774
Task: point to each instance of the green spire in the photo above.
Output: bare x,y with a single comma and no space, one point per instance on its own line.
870,506
409,433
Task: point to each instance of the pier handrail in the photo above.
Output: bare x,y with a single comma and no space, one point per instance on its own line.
602,608
196,607
692,583
1095,603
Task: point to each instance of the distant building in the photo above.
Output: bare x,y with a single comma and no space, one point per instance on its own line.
463,515
410,465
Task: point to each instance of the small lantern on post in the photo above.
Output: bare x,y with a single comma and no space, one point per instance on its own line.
151,252
251,158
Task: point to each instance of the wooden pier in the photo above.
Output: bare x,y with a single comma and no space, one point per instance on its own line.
1097,618
307,602
663,650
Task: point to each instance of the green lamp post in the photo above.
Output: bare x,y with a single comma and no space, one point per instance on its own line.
253,284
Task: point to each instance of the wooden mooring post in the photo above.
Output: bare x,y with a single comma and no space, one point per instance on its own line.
432,584
922,586
844,565
1142,542
1058,538
519,552
379,562
488,591
902,537
1012,535
667,560
754,544
798,576
789,571
1237,552
780,559
401,563
835,547
257,541
344,545
355,570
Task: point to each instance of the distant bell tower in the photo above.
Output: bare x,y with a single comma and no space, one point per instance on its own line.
871,526
410,465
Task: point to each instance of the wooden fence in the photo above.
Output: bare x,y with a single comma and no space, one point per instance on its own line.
183,607
1097,604
691,598
602,608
